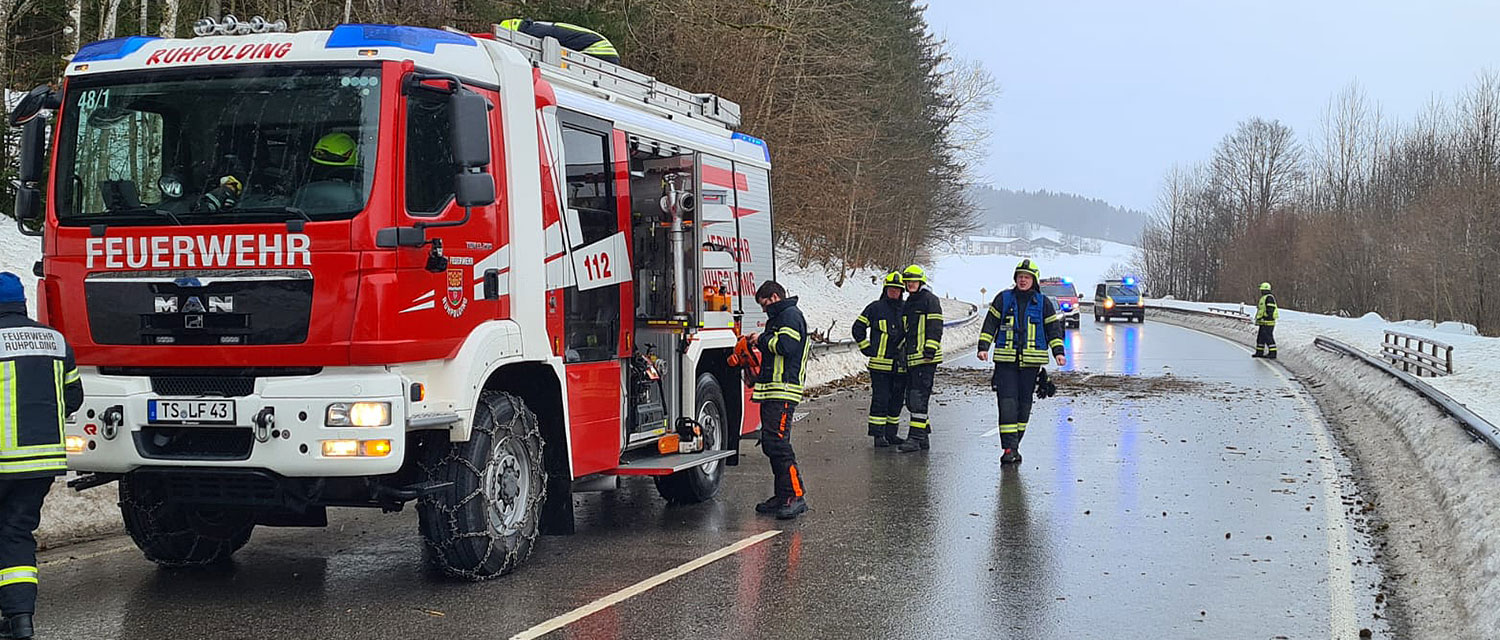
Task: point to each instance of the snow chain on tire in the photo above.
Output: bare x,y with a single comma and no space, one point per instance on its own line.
174,535
459,524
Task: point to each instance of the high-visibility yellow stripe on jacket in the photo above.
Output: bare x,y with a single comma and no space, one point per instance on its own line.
1266,311
784,347
39,387
878,332
922,321
1022,333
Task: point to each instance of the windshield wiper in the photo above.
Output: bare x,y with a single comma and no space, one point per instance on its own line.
139,210
292,210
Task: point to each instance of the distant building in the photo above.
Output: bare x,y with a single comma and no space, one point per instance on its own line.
994,245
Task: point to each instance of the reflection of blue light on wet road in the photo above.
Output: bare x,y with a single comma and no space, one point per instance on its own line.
1132,350
1063,479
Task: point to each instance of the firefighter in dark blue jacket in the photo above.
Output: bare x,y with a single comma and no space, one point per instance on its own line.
922,320
784,347
1022,324
878,332
39,387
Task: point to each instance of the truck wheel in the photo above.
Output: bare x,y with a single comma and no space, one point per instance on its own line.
175,535
702,482
484,525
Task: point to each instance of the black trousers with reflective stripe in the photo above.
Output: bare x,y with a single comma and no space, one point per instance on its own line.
20,513
776,441
1265,340
1015,388
918,392
887,392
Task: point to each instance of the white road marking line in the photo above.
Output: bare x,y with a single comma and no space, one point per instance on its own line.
1342,622
641,587
991,433
87,556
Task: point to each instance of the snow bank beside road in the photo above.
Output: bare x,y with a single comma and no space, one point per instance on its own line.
826,305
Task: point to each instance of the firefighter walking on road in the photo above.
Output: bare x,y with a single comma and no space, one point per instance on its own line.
1265,320
784,347
39,387
878,332
922,344
1022,324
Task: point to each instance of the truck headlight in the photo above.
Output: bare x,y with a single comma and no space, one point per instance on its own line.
358,414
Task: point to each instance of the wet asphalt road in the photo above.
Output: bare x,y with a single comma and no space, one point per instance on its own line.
1138,513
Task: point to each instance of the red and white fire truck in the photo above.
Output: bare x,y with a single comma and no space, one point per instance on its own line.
382,264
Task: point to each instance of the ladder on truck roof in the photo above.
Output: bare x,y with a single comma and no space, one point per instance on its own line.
590,71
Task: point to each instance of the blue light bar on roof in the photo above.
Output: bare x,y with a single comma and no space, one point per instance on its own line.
755,141
422,39
1130,281
111,49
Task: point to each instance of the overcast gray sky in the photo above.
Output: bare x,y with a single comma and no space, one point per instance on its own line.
1101,97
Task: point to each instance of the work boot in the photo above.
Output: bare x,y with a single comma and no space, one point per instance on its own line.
891,434
769,506
1011,456
16,626
1256,355
914,443
880,441
1271,355
790,509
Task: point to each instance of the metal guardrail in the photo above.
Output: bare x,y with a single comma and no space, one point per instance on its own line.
841,346
1430,356
1470,421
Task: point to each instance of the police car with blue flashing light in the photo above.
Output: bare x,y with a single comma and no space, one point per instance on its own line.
1062,292
1119,299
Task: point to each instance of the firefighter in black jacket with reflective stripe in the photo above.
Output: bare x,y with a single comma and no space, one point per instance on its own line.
878,332
784,348
1022,324
922,320
39,387
1265,319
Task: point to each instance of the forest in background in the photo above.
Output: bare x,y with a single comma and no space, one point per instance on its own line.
872,127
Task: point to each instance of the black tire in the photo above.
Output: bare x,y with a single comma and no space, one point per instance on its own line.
175,535
485,524
702,482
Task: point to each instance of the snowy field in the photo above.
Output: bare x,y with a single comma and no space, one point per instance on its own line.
962,276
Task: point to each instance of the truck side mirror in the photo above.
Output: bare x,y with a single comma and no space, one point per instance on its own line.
33,150
476,189
470,135
28,206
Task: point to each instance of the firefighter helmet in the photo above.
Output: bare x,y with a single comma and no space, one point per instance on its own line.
914,273
1265,286
1030,268
893,279
336,150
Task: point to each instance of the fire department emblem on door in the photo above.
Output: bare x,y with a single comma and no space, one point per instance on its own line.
455,302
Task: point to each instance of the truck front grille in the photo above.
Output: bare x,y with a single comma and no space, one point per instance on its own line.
193,386
194,443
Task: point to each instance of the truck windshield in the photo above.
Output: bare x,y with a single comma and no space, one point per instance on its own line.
232,145
1059,290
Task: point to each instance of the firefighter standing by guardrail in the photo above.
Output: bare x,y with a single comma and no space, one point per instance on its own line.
1265,320
922,344
1022,324
39,386
879,332
784,348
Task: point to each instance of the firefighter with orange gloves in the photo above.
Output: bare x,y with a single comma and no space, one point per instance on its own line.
922,346
878,331
784,347
1022,324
